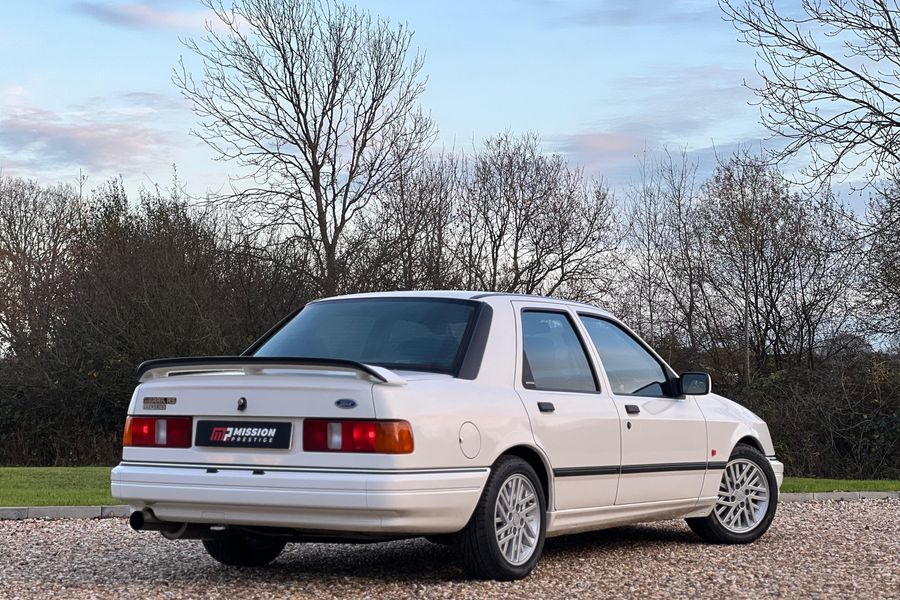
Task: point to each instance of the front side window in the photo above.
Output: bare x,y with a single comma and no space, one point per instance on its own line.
420,334
554,358
630,368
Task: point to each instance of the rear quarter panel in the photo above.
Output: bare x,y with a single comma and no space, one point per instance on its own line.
438,409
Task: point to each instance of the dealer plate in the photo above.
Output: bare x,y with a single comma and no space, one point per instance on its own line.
244,434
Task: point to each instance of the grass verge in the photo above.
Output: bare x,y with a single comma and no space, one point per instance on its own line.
89,486
809,484
55,486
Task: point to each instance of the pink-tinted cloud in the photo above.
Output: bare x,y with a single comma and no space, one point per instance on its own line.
683,107
108,140
601,151
142,15
615,155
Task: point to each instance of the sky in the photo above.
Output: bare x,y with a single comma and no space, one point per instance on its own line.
86,86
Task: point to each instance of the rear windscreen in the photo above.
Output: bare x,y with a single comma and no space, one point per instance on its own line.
421,334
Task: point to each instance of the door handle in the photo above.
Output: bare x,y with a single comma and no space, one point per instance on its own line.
546,407
632,409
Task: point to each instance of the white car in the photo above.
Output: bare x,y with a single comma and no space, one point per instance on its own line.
485,420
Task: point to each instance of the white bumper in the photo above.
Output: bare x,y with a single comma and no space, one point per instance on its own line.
365,501
778,468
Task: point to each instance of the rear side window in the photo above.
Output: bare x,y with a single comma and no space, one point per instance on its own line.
554,358
421,334
631,370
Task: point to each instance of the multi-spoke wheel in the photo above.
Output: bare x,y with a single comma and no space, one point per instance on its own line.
517,519
743,496
505,535
746,503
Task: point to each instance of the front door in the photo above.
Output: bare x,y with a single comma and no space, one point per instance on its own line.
575,424
664,442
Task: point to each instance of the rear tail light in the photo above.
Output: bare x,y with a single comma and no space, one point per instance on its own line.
158,432
380,437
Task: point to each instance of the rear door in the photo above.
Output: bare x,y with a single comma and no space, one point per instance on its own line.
664,442
575,424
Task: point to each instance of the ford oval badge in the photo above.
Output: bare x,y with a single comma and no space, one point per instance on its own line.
345,403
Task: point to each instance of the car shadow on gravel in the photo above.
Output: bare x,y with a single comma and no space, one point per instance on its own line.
619,538
421,561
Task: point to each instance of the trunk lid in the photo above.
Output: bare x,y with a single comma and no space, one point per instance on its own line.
271,396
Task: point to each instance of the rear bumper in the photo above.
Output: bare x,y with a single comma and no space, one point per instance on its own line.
778,468
364,501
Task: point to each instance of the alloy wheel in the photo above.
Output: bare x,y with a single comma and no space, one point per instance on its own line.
743,496
517,519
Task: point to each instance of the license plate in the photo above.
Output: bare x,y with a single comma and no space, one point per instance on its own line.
243,434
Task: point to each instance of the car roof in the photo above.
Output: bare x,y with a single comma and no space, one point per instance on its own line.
464,295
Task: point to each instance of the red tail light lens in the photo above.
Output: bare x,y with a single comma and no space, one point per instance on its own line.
158,432
380,437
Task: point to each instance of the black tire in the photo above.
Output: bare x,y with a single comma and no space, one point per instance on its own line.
712,530
477,546
244,551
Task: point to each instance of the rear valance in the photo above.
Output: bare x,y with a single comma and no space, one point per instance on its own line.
164,367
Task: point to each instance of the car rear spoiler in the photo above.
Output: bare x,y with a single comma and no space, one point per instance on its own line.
253,365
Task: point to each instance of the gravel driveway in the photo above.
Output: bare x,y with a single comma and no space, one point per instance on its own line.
823,549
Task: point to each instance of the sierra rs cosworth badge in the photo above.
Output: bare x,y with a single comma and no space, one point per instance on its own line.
158,402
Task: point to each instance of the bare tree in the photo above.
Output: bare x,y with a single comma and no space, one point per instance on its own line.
532,224
665,263
39,233
831,87
826,274
785,268
643,256
318,100
830,79
882,260
414,224
686,254
741,275
750,217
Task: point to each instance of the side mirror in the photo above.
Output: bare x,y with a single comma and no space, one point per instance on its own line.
695,384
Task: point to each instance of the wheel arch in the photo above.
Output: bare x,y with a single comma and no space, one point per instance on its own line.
752,434
539,463
750,440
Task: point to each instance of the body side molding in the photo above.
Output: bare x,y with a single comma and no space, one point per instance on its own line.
629,469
